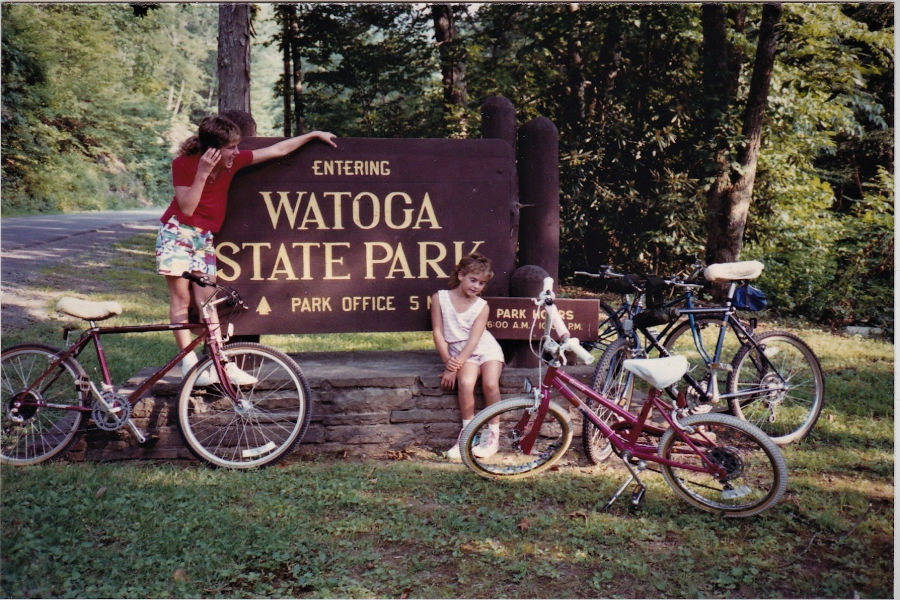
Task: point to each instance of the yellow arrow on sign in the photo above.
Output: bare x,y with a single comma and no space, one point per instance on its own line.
263,307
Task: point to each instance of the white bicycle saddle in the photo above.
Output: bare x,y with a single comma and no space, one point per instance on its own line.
658,372
733,271
87,309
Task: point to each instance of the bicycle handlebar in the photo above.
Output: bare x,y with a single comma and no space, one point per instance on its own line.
231,294
606,272
554,320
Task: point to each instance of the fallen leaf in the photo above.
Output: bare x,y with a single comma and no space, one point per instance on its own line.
180,575
100,493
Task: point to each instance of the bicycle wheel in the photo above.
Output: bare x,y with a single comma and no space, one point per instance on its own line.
510,462
778,386
271,416
609,330
681,341
31,434
756,473
614,383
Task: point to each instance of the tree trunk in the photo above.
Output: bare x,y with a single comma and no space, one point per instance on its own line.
453,66
297,88
728,200
288,14
234,57
576,82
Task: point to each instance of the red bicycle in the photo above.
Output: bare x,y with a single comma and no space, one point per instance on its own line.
47,394
715,462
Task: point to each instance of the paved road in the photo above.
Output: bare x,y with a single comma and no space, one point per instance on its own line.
29,232
72,246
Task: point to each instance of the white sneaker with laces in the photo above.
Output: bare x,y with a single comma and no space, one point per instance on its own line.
488,444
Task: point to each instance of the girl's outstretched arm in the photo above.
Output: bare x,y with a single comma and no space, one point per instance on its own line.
285,147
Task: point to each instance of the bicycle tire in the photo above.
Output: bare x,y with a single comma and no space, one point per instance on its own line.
757,472
681,341
272,418
509,462
30,435
609,328
614,383
785,415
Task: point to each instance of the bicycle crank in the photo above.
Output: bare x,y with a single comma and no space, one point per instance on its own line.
114,415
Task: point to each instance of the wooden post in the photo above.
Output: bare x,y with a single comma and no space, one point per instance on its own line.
498,121
539,195
526,282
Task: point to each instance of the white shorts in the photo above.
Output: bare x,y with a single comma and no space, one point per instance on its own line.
488,349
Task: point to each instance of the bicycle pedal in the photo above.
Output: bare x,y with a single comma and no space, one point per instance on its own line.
637,497
149,442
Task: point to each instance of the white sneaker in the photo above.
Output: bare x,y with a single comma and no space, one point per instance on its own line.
488,444
453,452
187,362
236,375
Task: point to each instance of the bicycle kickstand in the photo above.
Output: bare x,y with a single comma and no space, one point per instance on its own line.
637,496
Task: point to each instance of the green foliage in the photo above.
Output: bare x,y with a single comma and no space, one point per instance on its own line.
85,117
368,70
94,97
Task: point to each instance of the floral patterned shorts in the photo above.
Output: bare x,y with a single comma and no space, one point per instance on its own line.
181,248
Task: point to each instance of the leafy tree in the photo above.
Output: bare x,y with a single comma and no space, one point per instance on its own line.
367,69
90,100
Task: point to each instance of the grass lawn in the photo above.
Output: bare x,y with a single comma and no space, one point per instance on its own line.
419,526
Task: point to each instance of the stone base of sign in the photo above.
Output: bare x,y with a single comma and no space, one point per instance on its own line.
365,404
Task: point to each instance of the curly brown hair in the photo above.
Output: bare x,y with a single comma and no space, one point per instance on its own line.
215,131
473,263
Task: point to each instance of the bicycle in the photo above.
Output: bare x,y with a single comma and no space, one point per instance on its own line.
611,320
46,392
715,462
774,379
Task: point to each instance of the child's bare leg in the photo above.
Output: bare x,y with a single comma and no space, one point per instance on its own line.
179,301
201,295
490,384
465,382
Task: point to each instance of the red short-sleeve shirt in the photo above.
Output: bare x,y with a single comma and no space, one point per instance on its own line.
210,212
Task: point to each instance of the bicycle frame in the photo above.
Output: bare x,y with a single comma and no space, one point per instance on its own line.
559,380
91,336
728,319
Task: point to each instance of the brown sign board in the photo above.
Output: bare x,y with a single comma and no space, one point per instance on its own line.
358,237
512,318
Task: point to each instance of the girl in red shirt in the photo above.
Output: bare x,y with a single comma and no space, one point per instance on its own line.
202,174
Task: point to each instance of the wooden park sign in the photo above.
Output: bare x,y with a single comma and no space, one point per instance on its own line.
513,318
358,237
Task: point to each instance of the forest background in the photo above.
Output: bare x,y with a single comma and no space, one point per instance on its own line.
96,98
